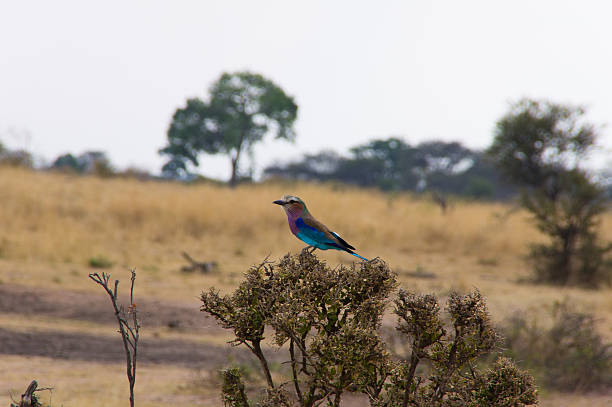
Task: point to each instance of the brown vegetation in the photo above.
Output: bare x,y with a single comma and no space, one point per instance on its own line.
54,224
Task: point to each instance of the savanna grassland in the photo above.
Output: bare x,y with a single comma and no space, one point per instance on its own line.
53,225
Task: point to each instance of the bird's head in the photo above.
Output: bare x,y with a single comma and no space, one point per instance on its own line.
292,205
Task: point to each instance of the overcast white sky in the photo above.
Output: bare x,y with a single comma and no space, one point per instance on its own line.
79,75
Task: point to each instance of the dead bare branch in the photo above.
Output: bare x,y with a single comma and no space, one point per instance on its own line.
129,325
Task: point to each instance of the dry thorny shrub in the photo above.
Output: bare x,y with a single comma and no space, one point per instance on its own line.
570,355
329,320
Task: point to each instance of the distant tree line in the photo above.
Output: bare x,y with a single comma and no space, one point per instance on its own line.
20,157
89,162
392,164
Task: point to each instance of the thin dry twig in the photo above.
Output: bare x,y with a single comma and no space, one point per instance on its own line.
129,325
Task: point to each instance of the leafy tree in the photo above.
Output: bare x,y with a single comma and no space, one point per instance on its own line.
479,188
537,140
242,108
393,164
329,319
440,166
441,156
387,163
90,162
68,162
321,166
539,145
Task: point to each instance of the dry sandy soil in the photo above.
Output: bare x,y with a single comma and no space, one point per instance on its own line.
49,333
179,352
26,303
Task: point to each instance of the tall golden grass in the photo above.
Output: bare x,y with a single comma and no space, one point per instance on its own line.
67,218
52,224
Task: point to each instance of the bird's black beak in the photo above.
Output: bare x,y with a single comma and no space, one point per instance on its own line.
279,202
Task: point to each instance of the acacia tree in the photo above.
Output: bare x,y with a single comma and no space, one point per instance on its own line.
243,107
539,145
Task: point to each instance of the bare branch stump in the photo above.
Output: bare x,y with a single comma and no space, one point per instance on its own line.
29,399
201,266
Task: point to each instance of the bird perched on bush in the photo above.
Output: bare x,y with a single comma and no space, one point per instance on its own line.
309,230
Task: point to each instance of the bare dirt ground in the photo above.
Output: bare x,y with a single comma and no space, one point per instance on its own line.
17,301
102,349
26,302
84,306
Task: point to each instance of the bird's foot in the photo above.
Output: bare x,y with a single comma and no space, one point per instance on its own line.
309,249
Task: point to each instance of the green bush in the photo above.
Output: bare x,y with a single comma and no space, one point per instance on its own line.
568,356
329,319
100,262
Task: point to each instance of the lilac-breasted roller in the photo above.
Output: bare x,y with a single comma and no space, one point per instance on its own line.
309,230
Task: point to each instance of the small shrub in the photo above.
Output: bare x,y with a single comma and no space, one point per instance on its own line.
100,262
329,320
568,356
488,261
574,255
16,158
102,168
420,272
505,385
233,388
479,188
134,173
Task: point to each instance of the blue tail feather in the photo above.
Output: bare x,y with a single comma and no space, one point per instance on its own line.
362,258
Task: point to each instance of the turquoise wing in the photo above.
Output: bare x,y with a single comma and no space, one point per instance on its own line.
314,237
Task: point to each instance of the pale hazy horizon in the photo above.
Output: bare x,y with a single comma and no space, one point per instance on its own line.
77,76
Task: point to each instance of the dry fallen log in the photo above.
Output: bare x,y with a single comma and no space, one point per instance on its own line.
202,267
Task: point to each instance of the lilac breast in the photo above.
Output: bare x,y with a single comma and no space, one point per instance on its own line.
293,225
292,217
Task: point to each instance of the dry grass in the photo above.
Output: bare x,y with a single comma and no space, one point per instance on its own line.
576,400
68,219
103,385
63,219
52,224
79,383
